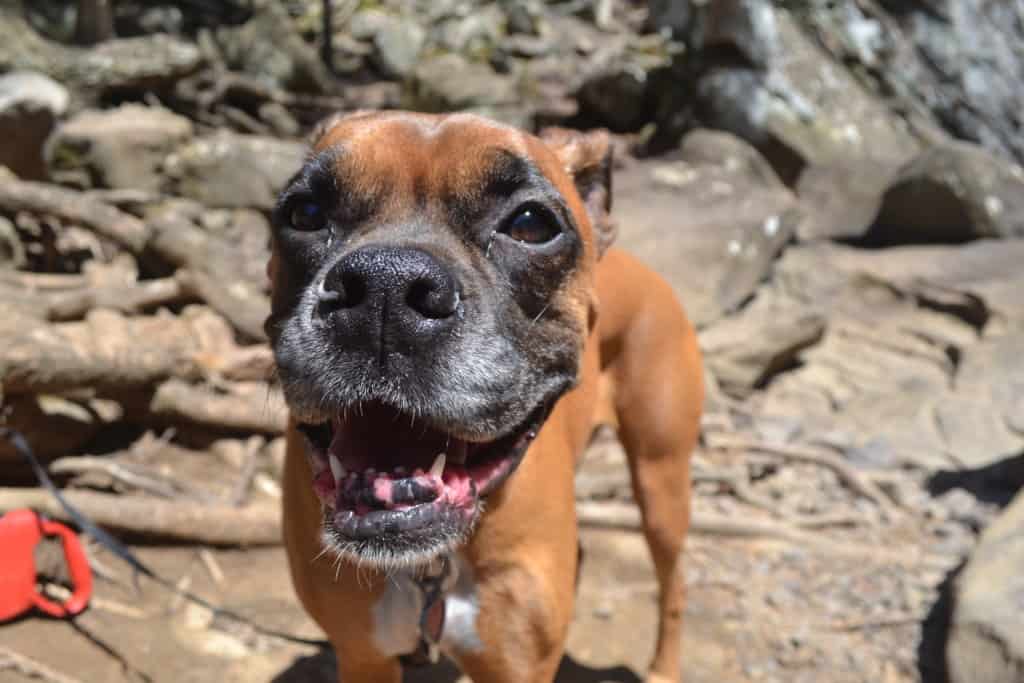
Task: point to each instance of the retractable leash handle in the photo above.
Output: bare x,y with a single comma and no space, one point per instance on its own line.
20,533
78,570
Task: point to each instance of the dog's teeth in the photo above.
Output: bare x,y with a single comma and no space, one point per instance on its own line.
437,469
337,469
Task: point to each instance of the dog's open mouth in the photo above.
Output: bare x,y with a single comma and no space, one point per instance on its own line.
381,472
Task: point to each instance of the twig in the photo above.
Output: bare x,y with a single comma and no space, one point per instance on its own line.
61,593
240,495
879,621
9,659
74,207
212,566
132,475
854,481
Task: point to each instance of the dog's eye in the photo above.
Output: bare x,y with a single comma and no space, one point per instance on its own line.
305,215
532,225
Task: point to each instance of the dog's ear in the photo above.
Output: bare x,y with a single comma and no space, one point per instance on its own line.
587,157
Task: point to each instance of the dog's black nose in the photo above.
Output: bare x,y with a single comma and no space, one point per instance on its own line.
399,295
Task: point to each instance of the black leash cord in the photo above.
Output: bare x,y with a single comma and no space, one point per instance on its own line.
17,439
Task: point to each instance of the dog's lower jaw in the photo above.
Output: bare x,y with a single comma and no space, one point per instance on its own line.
388,554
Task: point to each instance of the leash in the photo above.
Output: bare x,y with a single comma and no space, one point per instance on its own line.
17,439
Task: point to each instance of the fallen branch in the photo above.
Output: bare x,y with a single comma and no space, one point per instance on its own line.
219,525
131,475
74,207
137,298
245,406
111,354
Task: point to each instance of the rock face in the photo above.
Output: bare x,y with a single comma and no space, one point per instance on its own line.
986,641
116,148
764,79
30,104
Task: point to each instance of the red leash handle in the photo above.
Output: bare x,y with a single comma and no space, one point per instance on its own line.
78,569
20,532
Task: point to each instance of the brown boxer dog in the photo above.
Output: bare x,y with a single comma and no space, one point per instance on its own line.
449,326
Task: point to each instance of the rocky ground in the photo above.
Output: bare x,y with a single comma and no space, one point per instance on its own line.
833,188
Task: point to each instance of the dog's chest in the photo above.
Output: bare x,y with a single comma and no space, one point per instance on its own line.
398,611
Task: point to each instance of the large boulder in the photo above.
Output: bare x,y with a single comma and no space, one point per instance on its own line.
116,148
30,104
953,192
761,77
738,217
228,170
986,638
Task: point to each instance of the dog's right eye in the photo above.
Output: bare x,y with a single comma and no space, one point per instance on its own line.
306,215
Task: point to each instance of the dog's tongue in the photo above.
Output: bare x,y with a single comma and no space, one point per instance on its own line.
379,437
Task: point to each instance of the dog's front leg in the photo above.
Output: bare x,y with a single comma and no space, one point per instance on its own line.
367,667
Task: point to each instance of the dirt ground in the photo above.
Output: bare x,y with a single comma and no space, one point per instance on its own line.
757,611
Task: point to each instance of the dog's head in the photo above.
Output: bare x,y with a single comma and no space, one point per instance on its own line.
432,292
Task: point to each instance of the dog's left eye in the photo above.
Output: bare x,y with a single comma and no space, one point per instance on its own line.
532,225
305,215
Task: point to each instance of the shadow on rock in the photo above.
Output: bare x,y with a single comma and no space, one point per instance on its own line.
996,483
931,650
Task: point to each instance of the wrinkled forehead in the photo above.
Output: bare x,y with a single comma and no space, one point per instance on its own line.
401,158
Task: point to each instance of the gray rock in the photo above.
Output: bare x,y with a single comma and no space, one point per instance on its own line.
953,192
116,148
986,641
478,33
842,199
765,80
717,148
270,48
398,45
717,250
234,171
745,352
151,61
450,81
30,104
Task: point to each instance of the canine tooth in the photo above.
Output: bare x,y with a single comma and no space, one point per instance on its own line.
337,469
437,469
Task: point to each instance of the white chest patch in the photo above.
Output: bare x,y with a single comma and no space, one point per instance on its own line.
396,615
461,608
